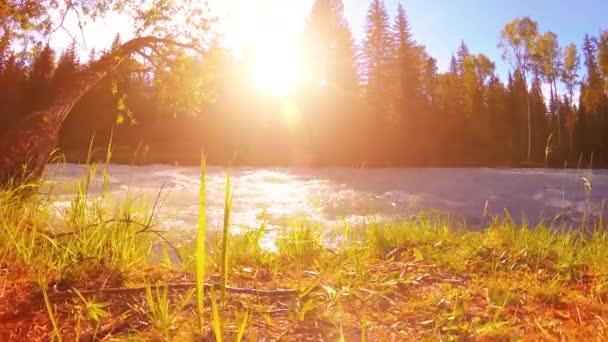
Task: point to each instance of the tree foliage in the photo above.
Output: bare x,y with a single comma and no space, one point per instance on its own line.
517,43
382,102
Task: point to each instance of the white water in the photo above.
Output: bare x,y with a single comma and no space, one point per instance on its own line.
332,195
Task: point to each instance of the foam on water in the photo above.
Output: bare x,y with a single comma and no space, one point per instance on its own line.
331,195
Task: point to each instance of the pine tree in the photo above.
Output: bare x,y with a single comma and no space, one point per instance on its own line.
66,66
602,58
471,88
328,47
408,65
430,82
461,54
12,91
39,80
519,123
407,100
539,120
331,83
450,108
592,98
583,141
378,59
496,101
478,122
457,88
377,53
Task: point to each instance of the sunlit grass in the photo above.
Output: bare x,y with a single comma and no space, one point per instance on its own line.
163,316
50,310
201,253
225,238
428,276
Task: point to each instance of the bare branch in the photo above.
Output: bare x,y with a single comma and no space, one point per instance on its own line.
80,26
148,58
70,7
65,14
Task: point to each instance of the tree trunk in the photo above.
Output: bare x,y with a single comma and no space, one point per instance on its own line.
529,117
559,116
25,147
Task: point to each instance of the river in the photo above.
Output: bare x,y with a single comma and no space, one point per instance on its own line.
331,196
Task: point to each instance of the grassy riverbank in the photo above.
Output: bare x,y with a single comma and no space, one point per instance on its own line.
103,271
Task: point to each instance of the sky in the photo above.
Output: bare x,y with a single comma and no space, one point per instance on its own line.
440,25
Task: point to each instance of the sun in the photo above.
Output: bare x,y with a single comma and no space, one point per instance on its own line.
276,68
264,33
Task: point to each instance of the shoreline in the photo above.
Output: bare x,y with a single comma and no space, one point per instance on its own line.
129,156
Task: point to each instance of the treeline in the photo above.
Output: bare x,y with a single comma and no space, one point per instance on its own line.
381,102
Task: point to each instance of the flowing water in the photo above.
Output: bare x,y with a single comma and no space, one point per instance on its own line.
331,196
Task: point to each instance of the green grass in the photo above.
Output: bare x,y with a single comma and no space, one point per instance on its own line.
427,277
163,316
50,310
201,253
225,238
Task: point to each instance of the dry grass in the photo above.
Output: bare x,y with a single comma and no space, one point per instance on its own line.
411,280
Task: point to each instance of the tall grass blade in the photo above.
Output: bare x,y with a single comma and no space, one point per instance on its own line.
216,322
225,237
201,256
90,150
49,309
363,332
105,172
241,332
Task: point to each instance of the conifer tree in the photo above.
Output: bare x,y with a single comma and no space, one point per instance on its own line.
39,80
519,123
429,82
461,54
378,59
377,53
407,101
13,91
592,93
496,101
408,66
66,66
328,47
539,120
331,84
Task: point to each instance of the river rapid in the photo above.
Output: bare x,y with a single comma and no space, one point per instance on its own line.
332,196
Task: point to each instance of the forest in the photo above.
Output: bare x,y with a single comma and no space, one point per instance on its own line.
94,251
381,102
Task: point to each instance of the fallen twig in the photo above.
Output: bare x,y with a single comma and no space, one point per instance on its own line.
181,286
